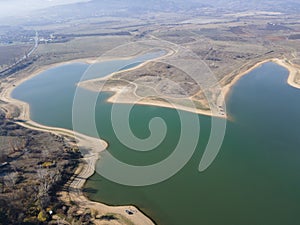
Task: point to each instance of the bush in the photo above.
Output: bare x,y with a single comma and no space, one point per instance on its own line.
42,217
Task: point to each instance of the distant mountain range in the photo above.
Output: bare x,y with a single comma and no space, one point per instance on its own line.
115,7
133,8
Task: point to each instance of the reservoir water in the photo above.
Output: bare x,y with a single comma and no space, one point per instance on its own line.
254,180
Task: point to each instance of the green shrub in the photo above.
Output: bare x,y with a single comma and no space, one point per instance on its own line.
42,217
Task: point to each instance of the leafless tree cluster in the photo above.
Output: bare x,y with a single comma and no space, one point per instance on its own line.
33,167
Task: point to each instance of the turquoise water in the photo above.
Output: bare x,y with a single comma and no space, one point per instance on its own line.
253,181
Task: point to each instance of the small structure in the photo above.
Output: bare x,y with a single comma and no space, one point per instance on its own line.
129,212
3,164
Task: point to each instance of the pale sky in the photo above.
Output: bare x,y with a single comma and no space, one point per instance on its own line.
17,7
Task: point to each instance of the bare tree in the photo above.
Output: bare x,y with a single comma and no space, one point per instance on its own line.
42,173
17,144
11,179
3,157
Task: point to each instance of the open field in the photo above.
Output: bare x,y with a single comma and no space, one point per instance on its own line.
228,49
85,47
12,53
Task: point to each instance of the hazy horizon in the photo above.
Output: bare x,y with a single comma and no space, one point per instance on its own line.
11,8
16,8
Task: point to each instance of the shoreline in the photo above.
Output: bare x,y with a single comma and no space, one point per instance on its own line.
293,71
164,105
115,97
86,169
224,92
281,62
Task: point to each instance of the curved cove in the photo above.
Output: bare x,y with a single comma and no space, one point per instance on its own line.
253,181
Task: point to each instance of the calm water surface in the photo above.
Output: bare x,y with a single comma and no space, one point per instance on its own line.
254,180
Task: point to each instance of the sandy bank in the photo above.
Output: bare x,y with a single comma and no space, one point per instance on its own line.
293,71
87,168
122,97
